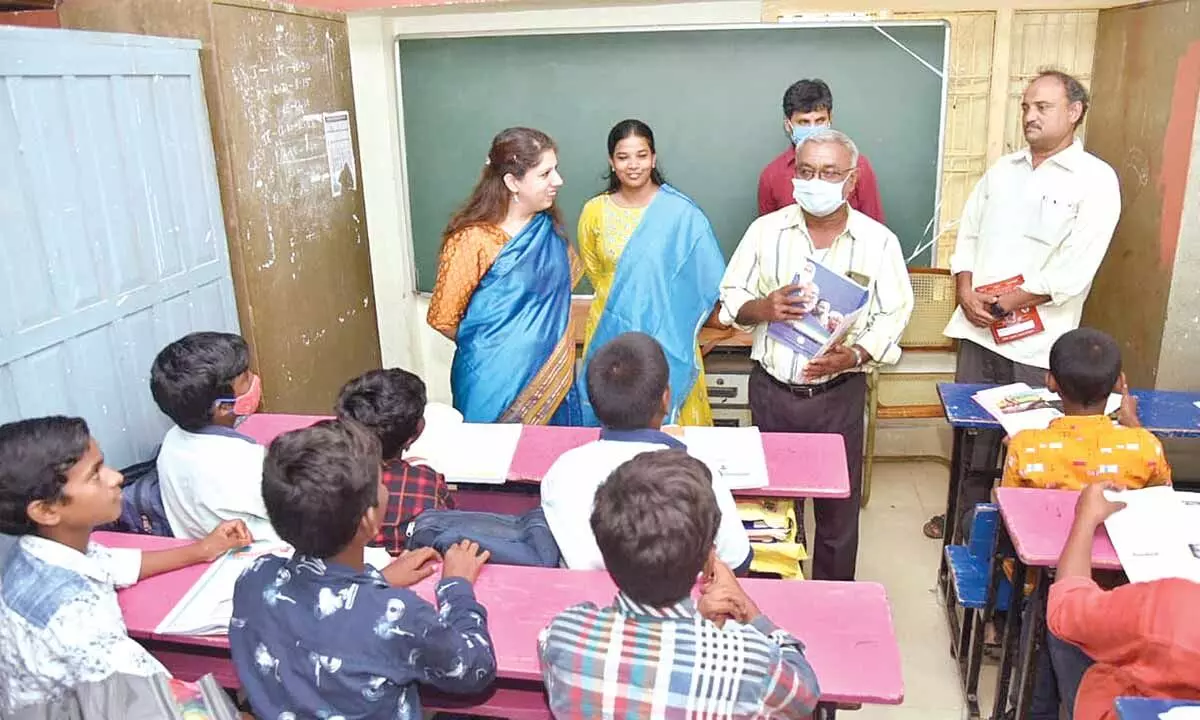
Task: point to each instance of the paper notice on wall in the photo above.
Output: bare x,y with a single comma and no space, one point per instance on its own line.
339,150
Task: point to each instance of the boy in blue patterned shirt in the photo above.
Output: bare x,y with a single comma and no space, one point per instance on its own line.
324,635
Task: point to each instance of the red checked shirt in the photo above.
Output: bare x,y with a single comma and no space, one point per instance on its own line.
775,187
412,489
630,662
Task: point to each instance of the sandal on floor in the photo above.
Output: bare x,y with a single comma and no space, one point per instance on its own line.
935,529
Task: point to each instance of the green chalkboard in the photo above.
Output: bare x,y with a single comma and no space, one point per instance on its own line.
713,98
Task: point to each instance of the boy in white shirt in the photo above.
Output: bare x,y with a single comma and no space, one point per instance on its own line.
628,387
60,624
209,472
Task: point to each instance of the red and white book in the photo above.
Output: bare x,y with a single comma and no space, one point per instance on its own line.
1020,323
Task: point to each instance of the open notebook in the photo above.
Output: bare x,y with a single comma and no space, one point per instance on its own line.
1020,407
465,452
208,605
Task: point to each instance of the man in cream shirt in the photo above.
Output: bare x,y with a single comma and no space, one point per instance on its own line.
1045,213
828,393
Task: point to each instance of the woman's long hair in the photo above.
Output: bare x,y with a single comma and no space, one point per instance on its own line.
623,131
515,150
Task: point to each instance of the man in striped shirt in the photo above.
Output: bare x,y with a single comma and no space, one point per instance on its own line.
770,279
655,652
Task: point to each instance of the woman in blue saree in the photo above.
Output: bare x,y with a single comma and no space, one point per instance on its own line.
655,265
503,291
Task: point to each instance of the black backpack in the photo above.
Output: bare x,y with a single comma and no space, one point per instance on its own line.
141,502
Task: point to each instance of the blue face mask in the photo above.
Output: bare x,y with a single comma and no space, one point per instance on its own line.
801,132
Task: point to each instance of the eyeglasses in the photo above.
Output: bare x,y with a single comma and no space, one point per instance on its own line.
805,172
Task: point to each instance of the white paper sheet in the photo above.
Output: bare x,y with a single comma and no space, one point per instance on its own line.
1181,713
735,455
339,152
1157,534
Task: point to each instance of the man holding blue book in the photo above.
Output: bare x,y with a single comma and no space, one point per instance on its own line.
809,377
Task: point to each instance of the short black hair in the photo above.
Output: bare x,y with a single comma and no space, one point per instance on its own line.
191,374
1086,364
655,520
805,96
318,482
35,456
1076,92
388,402
626,379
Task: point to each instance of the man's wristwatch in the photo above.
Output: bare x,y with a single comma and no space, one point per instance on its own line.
859,360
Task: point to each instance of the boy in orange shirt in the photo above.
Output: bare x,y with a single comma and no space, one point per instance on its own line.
1086,446
1081,449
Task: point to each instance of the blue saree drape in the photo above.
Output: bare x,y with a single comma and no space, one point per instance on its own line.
666,284
515,361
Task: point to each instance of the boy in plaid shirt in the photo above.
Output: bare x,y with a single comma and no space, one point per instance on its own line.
391,403
655,652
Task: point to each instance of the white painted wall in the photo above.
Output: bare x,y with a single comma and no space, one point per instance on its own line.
405,340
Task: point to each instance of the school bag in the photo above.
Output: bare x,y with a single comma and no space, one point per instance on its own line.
511,539
141,502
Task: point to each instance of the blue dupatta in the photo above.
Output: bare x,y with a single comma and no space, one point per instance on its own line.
515,361
667,282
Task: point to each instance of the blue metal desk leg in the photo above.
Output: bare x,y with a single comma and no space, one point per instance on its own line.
1008,648
1033,631
962,450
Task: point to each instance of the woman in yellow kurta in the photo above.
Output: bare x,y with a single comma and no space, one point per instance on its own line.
654,262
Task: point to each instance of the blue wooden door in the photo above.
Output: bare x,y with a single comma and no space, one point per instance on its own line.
112,242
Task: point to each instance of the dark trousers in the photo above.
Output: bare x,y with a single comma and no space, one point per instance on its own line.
1058,670
1069,664
776,408
977,364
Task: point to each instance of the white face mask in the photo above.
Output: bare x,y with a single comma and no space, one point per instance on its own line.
818,197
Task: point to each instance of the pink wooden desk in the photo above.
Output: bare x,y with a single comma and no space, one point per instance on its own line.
846,627
798,465
145,604
1038,522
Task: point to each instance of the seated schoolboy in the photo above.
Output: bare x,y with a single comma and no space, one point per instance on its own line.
655,652
1079,450
1140,639
627,386
1086,446
391,404
209,472
322,634
60,625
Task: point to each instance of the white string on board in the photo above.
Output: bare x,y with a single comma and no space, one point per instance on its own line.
906,49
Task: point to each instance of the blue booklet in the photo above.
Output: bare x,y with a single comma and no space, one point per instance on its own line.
832,303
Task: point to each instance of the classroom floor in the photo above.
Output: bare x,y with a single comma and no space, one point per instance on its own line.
894,552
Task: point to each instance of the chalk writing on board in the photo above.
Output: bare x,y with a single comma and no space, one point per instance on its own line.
340,151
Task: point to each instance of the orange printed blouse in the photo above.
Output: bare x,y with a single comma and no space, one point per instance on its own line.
467,255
